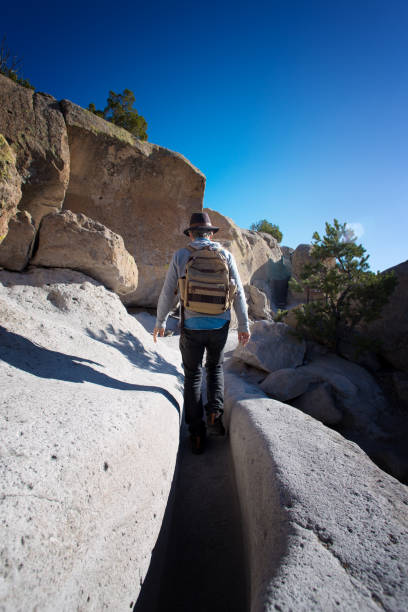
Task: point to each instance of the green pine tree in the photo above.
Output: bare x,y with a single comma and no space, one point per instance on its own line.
268,228
119,110
351,293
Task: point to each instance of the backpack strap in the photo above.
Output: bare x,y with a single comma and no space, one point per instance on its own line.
182,317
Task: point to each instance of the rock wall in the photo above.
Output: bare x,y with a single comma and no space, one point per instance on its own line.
56,155
319,517
142,192
34,128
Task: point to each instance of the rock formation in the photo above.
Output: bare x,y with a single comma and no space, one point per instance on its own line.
325,528
89,439
258,306
17,246
10,185
142,192
34,128
67,240
271,347
253,251
86,477
333,390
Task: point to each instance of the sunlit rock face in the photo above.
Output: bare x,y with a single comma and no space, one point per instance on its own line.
34,128
10,186
141,191
68,240
254,252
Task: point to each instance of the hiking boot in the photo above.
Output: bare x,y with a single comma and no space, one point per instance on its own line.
197,441
215,426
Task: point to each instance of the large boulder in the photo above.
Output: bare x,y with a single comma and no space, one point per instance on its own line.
141,191
355,391
271,347
67,240
325,528
318,402
254,252
391,329
34,128
258,307
17,246
287,383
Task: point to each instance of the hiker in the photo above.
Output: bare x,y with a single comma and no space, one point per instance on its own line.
207,280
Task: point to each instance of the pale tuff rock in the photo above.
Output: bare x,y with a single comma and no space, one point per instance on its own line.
10,186
257,303
356,393
89,439
271,347
265,286
318,402
16,248
287,383
325,528
34,127
67,240
253,251
141,191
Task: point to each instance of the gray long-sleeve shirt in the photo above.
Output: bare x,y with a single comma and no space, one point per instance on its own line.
177,269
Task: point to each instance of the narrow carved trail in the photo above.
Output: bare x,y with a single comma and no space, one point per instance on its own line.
205,568
199,561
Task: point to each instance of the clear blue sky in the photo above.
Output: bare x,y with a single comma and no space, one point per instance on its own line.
295,110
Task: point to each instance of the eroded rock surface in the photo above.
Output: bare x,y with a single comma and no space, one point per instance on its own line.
10,186
67,240
319,516
16,247
271,347
141,191
258,306
34,127
89,438
253,251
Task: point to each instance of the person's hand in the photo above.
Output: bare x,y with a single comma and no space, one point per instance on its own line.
243,337
158,331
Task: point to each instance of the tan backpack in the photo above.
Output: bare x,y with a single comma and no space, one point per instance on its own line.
206,287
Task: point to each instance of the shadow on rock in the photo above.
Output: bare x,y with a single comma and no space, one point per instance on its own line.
133,349
25,355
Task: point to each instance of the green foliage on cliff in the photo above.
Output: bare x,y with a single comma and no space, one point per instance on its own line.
269,228
119,110
6,159
350,292
10,66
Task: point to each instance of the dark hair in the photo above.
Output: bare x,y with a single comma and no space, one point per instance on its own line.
201,233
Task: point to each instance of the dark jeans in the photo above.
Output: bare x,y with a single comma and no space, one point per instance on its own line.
192,345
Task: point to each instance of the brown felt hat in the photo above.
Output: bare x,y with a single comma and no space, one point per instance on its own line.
201,221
